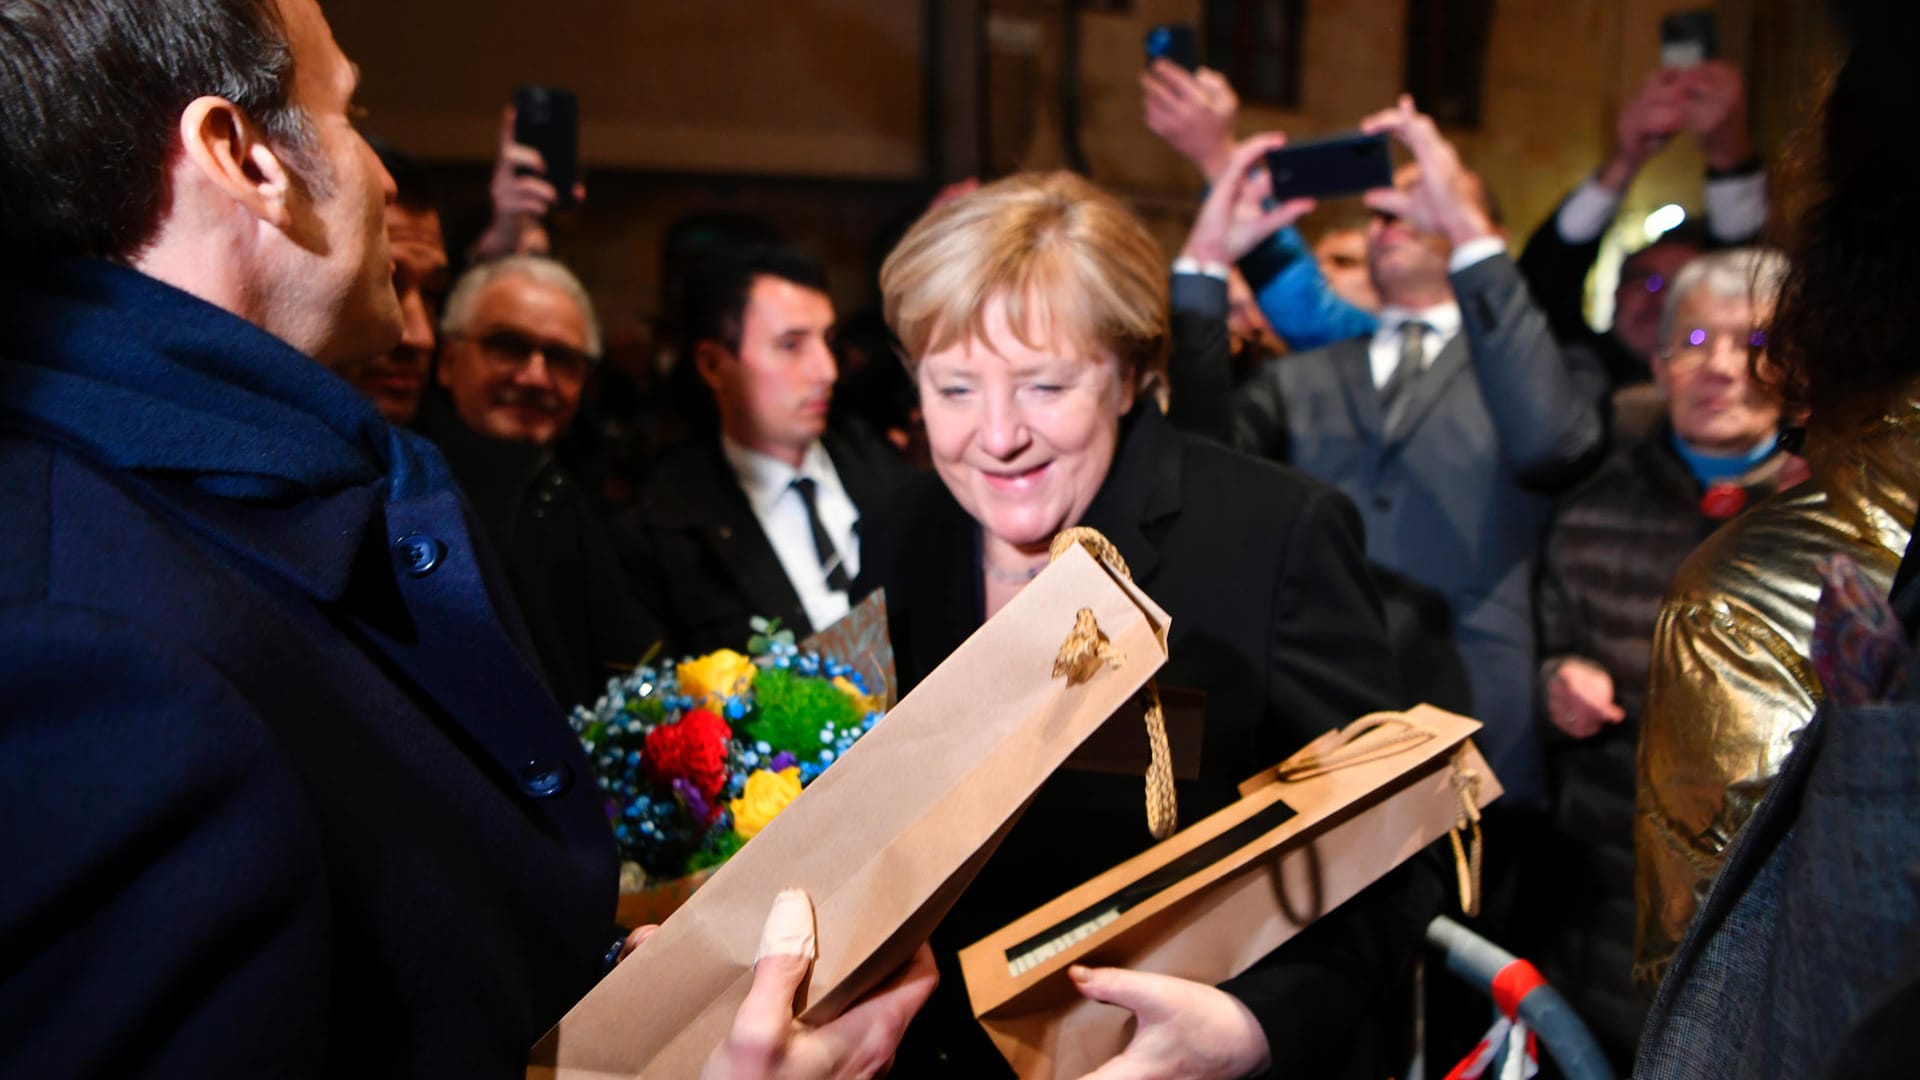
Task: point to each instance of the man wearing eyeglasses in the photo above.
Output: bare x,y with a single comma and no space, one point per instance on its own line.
518,343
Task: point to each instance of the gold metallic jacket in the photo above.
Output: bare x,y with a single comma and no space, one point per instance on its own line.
1731,685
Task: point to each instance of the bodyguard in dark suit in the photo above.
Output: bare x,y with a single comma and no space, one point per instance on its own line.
760,515
1449,428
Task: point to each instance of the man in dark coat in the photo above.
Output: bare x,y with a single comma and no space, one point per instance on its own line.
760,515
281,792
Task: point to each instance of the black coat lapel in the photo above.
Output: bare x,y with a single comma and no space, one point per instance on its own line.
703,497
1142,489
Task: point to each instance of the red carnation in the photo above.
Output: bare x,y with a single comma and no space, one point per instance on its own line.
693,749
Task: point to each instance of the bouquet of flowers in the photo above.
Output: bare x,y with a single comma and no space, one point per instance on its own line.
696,757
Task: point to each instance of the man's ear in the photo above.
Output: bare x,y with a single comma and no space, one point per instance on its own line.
708,359
233,155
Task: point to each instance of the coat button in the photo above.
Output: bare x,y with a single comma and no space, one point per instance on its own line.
545,779
419,553
1381,502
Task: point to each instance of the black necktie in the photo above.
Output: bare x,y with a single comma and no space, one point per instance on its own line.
1413,363
822,543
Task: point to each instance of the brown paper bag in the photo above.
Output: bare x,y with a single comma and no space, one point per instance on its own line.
884,841
1209,901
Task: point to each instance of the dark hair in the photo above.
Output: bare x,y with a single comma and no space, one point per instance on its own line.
1842,340
92,92
411,181
714,294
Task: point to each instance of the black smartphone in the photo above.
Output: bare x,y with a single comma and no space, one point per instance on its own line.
1177,42
1689,37
547,118
1330,167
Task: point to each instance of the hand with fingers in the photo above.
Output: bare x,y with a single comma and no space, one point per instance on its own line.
1713,108
522,199
1580,698
1193,112
1182,1030
767,1043
1443,196
1646,124
1234,218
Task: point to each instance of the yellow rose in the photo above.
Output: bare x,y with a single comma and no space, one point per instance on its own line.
715,676
766,795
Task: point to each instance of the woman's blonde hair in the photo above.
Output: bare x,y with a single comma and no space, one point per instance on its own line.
1068,260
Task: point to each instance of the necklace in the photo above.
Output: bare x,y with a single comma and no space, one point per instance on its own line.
1012,577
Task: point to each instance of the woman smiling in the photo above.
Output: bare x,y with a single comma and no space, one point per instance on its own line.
1033,314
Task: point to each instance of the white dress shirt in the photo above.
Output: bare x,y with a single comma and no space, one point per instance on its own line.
768,485
1443,320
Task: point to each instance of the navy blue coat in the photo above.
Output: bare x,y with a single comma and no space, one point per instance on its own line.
280,792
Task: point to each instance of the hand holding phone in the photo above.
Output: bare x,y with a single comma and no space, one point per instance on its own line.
1689,38
547,118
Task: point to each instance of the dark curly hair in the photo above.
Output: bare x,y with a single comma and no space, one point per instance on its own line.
1846,333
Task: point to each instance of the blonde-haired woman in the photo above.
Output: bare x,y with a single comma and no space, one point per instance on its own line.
1033,314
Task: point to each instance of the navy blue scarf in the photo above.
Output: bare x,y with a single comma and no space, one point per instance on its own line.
145,377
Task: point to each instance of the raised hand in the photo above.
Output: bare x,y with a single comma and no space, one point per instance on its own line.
1444,196
1713,108
1234,218
522,199
1646,124
1193,112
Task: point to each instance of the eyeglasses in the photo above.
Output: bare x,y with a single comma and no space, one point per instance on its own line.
1699,343
512,349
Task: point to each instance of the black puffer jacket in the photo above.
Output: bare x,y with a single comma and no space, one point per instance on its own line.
1616,542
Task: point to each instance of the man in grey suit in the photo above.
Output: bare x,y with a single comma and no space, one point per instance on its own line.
1449,426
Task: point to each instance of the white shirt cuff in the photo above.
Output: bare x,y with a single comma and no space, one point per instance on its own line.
1737,206
1586,213
1187,264
1475,251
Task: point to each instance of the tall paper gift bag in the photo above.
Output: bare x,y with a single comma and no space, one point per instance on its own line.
886,839
1209,901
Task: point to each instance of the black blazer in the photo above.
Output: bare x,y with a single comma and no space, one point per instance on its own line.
1274,616
697,556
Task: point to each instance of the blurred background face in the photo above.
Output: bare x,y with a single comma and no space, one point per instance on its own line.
1249,335
516,370
775,390
1638,298
1705,368
394,381
1342,255
1408,265
1022,437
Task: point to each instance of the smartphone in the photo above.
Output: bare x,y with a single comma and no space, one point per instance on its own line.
547,118
1328,168
1177,42
1689,37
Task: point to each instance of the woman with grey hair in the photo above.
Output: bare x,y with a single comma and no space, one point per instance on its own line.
1616,543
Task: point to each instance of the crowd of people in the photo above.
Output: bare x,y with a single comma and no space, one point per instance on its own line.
314,531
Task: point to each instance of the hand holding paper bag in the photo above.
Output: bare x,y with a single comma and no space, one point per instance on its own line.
767,1043
1181,1028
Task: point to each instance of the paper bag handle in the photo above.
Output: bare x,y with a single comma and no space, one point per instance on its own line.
1354,745
1466,856
1086,644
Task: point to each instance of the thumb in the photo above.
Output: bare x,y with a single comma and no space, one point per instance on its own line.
1612,713
786,953
1133,991
507,117
1390,201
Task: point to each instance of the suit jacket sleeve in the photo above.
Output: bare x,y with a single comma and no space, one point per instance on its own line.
161,915
1556,272
1545,401
1199,358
